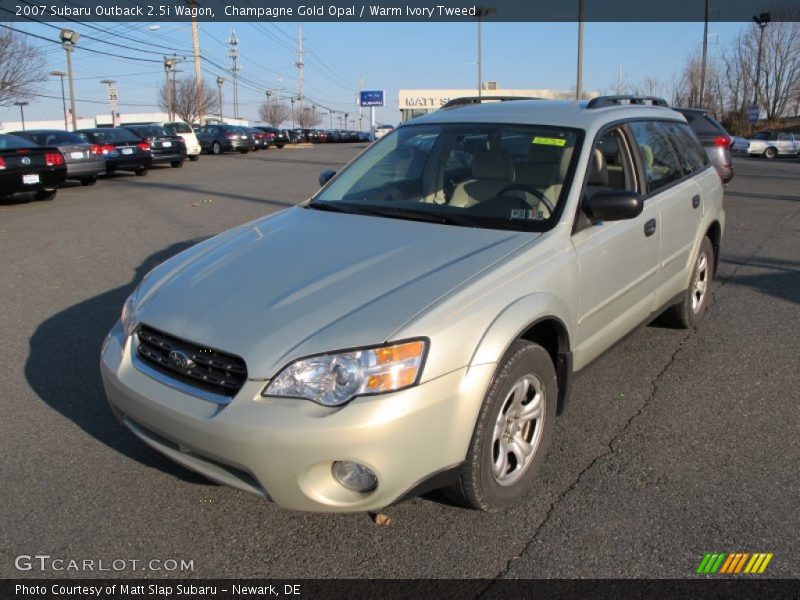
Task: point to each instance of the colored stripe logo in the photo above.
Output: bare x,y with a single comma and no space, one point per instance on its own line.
734,563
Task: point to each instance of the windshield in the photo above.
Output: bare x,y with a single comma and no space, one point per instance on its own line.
480,175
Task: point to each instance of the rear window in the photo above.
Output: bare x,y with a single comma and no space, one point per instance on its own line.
51,138
704,124
179,127
112,135
11,142
690,152
149,130
661,164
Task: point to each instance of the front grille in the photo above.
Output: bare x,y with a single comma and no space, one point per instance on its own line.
198,366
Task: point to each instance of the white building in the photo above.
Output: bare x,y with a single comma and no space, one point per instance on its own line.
103,120
416,103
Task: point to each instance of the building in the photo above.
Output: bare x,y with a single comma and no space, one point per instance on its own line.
103,120
416,103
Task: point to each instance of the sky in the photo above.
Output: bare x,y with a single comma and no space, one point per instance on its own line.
388,56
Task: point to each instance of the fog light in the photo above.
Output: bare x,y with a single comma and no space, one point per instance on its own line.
354,476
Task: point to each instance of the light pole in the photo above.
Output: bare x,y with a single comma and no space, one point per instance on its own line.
480,53
220,83
579,82
61,74
704,59
313,115
112,99
169,66
292,101
760,20
68,40
22,112
269,108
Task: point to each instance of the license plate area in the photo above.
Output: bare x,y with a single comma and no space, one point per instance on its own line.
30,179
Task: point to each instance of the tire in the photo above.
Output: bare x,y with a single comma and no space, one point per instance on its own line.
194,157
770,153
45,194
279,146
687,313
141,171
243,151
491,479
176,164
89,180
216,148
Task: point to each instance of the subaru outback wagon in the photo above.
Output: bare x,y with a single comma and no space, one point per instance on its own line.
416,323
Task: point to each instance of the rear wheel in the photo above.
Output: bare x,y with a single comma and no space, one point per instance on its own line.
194,157
176,164
141,171
770,153
89,180
243,151
512,432
216,148
48,194
687,313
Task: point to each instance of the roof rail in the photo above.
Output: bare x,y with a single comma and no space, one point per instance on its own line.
467,100
604,101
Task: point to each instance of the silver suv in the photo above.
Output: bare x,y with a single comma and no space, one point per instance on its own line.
416,324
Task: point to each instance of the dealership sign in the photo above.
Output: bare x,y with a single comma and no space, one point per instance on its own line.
371,98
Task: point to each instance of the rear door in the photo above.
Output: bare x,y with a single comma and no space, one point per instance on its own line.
670,155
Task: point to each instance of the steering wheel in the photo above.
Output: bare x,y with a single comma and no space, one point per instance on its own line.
531,190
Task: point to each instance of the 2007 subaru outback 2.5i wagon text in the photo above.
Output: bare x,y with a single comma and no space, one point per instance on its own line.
416,323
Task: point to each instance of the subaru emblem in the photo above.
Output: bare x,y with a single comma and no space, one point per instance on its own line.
179,360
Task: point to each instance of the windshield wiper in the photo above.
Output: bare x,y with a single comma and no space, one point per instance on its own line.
412,214
335,207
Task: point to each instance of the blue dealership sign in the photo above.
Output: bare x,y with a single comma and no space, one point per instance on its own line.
371,98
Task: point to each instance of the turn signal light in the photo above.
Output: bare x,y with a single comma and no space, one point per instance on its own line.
143,146
53,159
722,141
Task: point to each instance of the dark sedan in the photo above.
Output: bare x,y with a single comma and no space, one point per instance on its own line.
166,147
84,161
217,139
259,138
26,167
122,149
715,140
279,138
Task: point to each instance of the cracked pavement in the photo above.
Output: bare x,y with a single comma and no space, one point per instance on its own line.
674,443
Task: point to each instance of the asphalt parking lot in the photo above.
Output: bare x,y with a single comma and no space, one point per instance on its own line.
674,444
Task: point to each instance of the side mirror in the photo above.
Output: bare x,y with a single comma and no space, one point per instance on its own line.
613,205
326,176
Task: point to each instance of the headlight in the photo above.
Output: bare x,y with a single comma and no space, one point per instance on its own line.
128,317
334,379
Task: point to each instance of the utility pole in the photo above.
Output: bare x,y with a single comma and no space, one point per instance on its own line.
313,115
480,54
269,110
300,64
112,99
358,100
701,101
579,82
68,40
619,80
22,112
233,54
292,101
198,71
220,83
760,20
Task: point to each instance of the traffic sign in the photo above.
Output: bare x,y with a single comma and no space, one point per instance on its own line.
371,98
753,113
112,95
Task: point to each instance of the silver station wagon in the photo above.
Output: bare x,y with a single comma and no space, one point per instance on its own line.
415,325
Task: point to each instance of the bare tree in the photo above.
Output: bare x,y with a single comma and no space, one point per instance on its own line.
779,83
274,112
21,67
306,117
186,103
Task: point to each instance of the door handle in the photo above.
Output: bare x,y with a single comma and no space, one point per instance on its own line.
650,227
696,201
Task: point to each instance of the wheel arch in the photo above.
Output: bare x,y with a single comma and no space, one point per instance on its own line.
714,233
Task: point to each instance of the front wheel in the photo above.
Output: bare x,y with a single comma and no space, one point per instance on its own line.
512,432
141,171
46,194
687,313
770,153
89,180
216,148
176,164
243,151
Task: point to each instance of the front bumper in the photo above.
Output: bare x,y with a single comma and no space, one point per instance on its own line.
283,449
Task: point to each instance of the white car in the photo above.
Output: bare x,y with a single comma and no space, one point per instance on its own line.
768,144
382,130
187,133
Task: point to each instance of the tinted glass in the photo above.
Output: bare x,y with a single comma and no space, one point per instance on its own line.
661,164
704,124
149,131
10,142
690,152
112,135
50,138
485,175
179,127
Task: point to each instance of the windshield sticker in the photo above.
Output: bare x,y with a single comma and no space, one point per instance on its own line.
526,214
548,141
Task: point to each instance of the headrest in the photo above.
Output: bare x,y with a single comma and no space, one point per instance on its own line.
494,164
540,153
598,170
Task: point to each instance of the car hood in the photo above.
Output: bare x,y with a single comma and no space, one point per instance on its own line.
304,282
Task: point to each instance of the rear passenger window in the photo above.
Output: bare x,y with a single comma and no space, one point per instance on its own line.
690,152
661,164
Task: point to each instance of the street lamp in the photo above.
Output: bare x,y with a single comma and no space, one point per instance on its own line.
761,20
169,68
61,75
292,101
269,107
579,78
220,83
112,99
22,112
68,40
